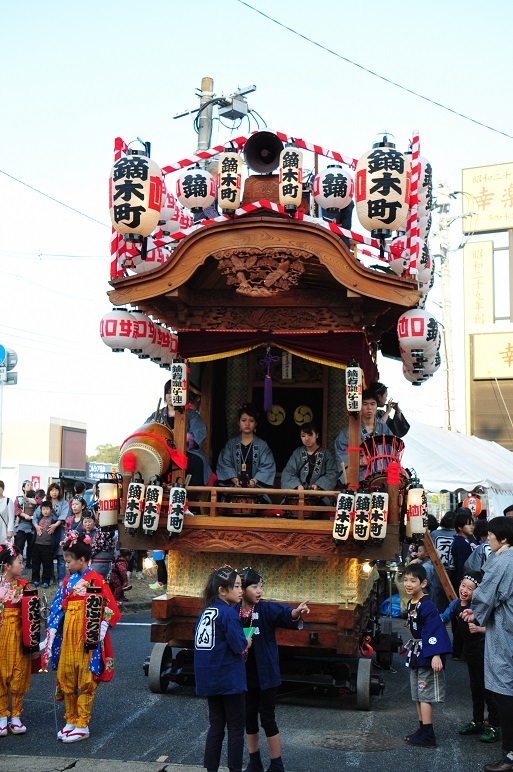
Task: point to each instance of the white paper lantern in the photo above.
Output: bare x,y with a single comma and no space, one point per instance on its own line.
134,506
178,384
108,502
229,178
143,332
343,513
333,188
177,503
416,512
354,386
116,330
152,507
135,195
417,329
196,189
382,189
290,182
361,527
378,514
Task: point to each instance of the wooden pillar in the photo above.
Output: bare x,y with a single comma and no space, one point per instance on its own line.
353,456
180,435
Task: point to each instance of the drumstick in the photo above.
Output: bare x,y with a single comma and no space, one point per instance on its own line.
344,473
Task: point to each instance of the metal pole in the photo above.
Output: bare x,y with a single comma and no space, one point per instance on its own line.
205,115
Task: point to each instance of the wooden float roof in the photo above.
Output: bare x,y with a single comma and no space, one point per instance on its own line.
207,284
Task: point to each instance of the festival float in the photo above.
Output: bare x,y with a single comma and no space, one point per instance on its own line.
241,264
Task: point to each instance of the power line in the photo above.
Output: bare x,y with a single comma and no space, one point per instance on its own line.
56,200
375,74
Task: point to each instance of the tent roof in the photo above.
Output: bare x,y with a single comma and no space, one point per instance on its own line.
450,461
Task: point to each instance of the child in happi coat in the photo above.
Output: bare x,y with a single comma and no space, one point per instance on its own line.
473,644
219,650
426,652
260,620
15,664
79,669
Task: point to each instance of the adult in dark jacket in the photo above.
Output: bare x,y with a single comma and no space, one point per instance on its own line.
492,607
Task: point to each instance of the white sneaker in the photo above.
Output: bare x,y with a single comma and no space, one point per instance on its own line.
16,726
62,733
77,734
3,726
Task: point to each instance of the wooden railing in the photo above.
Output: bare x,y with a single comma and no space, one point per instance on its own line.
211,502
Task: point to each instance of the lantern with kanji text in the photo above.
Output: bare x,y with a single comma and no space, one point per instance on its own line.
135,194
416,509
152,507
343,513
354,381
382,189
361,526
143,333
229,178
378,514
333,188
108,501
417,330
170,352
177,504
290,183
116,330
134,506
196,189
178,383
169,221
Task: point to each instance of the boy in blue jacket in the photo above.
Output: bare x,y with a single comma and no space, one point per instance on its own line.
260,619
426,652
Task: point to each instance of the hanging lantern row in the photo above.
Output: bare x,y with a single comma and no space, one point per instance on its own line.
367,512
419,344
121,329
144,505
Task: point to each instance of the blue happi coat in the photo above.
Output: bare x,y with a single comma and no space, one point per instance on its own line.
267,617
429,636
218,645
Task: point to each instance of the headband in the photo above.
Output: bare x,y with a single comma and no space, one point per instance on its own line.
477,582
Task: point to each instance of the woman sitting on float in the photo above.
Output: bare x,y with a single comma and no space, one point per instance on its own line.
246,461
311,467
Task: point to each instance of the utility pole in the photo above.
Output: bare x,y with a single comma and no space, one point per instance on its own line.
232,107
205,114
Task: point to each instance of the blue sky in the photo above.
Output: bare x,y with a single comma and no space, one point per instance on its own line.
74,75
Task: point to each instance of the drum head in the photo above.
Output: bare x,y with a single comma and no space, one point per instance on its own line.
148,460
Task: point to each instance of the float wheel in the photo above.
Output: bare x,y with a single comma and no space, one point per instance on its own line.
157,682
363,684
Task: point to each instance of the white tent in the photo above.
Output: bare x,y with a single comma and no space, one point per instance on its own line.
448,461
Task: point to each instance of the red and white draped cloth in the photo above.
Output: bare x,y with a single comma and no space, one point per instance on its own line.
121,257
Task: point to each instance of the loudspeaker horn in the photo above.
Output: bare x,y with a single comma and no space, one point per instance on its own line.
262,152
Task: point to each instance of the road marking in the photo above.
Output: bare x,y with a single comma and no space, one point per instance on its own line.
134,624
162,758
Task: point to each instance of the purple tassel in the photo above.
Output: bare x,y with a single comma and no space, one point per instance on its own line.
268,393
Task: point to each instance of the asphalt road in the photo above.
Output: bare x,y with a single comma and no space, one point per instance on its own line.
319,733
